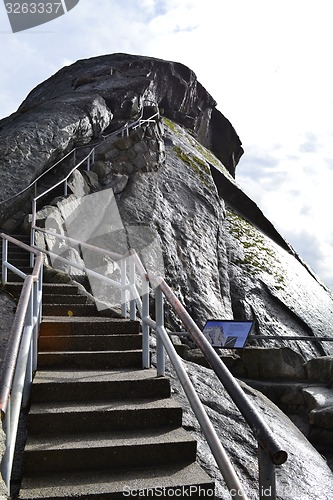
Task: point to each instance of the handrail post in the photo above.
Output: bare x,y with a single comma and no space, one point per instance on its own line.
28,326
32,244
159,324
35,313
267,482
123,292
132,285
4,261
223,462
32,230
145,326
40,294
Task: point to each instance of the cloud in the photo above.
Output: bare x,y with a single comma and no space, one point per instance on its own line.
310,145
269,77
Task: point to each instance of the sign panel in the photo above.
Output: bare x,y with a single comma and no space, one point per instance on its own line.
227,334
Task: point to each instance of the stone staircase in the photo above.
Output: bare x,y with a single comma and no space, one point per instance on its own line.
99,425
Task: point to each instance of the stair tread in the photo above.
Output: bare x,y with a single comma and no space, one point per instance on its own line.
83,319
90,343
107,439
96,484
86,376
106,406
77,353
93,336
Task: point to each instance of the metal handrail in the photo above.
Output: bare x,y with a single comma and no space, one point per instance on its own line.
135,263
127,127
20,360
261,431
137,123
270,452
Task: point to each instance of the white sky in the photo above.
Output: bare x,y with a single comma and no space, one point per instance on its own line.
268,65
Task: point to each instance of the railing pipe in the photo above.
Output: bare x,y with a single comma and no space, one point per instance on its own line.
73,152
32,231
61,181
18,364
213,441
267,479
159,312
132,289
15,270
260,429
82,244
145,326
36,319
85,269
4,261
123,270
27,347
13,345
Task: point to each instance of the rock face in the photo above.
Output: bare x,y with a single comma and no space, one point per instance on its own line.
304,475
92,95
168,190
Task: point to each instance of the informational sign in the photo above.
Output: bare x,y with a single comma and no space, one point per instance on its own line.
227,334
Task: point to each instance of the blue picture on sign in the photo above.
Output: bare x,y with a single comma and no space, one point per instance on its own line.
227,334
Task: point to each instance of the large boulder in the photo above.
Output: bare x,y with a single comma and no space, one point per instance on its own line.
81,101
38,134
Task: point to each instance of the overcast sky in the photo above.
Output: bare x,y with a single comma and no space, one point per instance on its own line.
267,63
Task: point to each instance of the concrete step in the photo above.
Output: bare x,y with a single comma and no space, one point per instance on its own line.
69,418
69,310
107,451
52,298
89,360
115,342
48,289
66,325
177,480
60,289
87,385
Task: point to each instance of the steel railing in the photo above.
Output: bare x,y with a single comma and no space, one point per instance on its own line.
123,131
135,282
134,286
88,160
20,361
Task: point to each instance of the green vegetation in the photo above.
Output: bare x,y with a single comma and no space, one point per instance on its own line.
202,151
199,166
258,256
210,157
172,126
